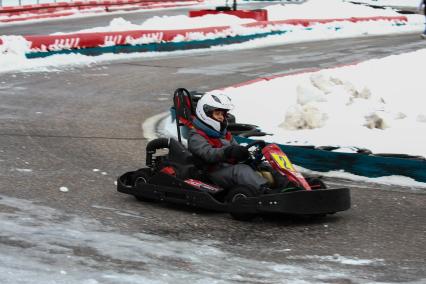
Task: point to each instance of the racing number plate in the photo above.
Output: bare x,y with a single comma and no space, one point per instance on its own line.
283,161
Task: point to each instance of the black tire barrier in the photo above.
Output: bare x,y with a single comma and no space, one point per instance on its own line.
332,148
400,156
241,128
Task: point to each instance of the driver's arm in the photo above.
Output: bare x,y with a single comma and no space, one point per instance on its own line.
201,148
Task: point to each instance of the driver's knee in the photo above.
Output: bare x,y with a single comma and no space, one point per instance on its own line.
268,176
244,175
241,169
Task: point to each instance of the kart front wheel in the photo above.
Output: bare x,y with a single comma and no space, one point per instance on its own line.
236,195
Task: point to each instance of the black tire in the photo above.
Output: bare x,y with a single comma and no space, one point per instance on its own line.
237,193
140,177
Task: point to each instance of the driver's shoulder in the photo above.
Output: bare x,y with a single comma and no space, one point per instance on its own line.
194,137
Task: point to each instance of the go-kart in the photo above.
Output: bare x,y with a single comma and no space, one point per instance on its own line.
179,177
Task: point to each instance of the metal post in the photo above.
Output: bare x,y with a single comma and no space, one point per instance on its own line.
20,4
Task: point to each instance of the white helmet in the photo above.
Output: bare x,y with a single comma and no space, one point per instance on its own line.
210,102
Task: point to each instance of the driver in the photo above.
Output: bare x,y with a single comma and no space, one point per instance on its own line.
210,141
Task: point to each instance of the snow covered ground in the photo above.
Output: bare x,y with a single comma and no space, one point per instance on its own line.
377,104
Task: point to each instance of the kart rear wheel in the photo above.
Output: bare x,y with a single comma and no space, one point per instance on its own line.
236,194
139,178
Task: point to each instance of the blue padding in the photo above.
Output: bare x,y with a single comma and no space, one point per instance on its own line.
359,164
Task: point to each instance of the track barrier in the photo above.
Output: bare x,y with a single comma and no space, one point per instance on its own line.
363,164
161,40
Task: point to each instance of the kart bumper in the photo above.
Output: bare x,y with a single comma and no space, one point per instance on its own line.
303,202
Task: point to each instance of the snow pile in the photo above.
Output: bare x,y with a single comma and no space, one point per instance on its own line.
372,105
12,57
169,23
324,9
13,49
185,22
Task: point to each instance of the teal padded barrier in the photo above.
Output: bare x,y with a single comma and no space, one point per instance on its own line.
355,163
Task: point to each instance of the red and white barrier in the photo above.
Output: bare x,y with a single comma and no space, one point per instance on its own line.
102,39
258,15
88,40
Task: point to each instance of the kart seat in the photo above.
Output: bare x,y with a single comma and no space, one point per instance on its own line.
179,154
186,165
184,107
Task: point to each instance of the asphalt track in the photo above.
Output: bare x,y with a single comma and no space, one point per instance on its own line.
57,127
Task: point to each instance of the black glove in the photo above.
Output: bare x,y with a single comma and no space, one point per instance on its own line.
236,153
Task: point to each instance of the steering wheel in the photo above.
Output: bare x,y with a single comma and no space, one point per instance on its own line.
256,154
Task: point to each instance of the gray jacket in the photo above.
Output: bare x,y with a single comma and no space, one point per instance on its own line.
200,147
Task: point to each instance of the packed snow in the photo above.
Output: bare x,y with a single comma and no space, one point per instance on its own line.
373,104
325,9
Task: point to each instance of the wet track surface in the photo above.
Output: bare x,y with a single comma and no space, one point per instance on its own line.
81,127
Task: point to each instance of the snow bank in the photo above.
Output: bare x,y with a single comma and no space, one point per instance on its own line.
324,9
169,23
12,57
372,105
